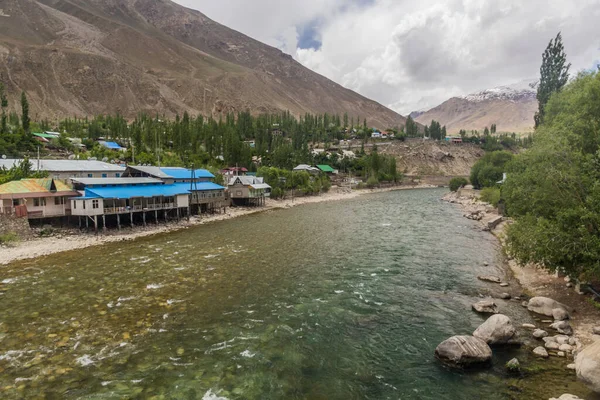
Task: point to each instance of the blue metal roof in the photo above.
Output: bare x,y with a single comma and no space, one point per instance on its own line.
128,192
111,145
200,186
180,173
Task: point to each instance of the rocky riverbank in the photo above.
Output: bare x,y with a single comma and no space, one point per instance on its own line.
566,320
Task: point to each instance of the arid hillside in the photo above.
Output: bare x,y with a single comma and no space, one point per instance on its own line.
418,157
85,57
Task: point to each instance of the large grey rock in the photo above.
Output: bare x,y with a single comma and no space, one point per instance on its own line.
505,296
498,329
513,365
552,345
596,330
567,348
560,314
540,352
562,339
489,278
545,306
566,397
494,222
463,351
539,333
562,327
587,365
485,306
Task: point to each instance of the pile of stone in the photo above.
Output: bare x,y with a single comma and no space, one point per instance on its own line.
476,215
561,345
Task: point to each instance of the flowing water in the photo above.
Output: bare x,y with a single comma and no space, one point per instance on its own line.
341,300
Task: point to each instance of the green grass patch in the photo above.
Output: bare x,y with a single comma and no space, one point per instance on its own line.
9,237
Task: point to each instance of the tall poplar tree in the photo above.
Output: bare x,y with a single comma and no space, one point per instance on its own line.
25,112
554,75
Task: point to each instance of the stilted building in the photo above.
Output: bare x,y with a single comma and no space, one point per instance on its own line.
248,190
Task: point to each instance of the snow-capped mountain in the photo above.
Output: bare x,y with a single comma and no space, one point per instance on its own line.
510,107
516,92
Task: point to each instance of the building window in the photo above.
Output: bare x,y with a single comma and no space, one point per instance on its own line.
117,175
39,202
104,175
95,204
90,175
83,204
59,201
75,205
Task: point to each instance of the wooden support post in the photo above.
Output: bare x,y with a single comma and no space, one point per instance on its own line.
79,222
103,223
177,214
131,218
165,212
87,223
144,217
118,221
96,223
189,212
156,216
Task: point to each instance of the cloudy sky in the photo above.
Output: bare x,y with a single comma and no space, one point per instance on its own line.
412,55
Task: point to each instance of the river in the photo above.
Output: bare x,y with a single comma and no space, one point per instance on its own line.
340,300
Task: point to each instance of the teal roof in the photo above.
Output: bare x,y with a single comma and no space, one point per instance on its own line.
325,168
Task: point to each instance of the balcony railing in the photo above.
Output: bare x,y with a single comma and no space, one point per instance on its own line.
136,208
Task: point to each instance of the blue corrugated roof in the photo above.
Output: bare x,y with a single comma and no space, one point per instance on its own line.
128,192
200,186
180,173
111,145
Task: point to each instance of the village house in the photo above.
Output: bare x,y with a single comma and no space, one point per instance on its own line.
327,169
307,168
36,198
205,196
65,169
248,190
128,200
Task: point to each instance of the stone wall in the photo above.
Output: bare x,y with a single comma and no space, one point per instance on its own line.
20,226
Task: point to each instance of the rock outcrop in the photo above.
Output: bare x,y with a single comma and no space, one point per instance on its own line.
489,278
463,351
545,306
587,365
497,330
486,307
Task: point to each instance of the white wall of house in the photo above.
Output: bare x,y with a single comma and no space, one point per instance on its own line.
47,206
87,174
183,200
89,207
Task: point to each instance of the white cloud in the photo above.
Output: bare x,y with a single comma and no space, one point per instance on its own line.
412,55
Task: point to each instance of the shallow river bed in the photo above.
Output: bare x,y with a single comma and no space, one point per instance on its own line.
342,300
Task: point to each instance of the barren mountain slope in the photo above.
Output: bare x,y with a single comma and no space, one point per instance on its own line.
511,108
84,57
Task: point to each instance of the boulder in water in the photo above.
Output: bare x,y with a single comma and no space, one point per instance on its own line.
463,351
489,278
485,306
498,329
545,306
539,333
566,397
562,327
587,365
513,365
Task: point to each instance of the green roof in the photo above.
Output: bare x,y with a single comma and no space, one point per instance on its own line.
325,168
44,135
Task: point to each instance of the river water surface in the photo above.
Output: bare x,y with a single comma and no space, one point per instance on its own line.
341,300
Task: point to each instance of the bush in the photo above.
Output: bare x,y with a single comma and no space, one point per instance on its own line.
457,183
8,238
489,169
372,182
490,195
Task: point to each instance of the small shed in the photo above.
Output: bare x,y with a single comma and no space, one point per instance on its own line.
327,169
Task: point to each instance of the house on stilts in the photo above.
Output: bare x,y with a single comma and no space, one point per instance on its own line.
130,201
248,191
205,195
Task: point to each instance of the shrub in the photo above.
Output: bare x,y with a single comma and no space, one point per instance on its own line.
8,238
372,182
489,169
490,195
457,183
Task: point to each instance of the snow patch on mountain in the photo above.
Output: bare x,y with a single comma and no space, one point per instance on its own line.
524,90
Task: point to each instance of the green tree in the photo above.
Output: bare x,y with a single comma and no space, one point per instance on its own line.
552,190
554,74
25,113
4,106
457,182
489,169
